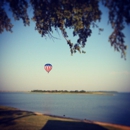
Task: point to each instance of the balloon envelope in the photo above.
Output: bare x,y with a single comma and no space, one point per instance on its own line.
48,67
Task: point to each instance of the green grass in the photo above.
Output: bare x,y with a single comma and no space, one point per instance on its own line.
14,119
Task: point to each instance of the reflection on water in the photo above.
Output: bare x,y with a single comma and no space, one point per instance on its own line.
113,109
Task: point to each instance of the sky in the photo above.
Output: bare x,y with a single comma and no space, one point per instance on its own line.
24,53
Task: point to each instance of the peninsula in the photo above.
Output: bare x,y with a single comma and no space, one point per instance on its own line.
74,92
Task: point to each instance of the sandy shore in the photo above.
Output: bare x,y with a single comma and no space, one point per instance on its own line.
120,127
12,118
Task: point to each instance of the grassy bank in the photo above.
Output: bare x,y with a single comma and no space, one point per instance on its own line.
14,119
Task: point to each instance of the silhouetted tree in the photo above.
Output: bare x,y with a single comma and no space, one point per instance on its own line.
78,15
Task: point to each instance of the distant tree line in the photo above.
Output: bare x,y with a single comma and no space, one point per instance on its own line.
59,91
72,91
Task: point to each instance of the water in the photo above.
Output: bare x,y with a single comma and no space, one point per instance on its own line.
113,109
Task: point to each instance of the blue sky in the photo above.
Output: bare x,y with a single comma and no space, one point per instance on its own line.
24,53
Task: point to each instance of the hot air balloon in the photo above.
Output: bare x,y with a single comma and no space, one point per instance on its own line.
48,67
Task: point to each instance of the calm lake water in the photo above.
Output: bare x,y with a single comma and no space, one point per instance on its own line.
113,109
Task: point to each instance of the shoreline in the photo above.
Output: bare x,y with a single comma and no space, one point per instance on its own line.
49,117
86,93
86,121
